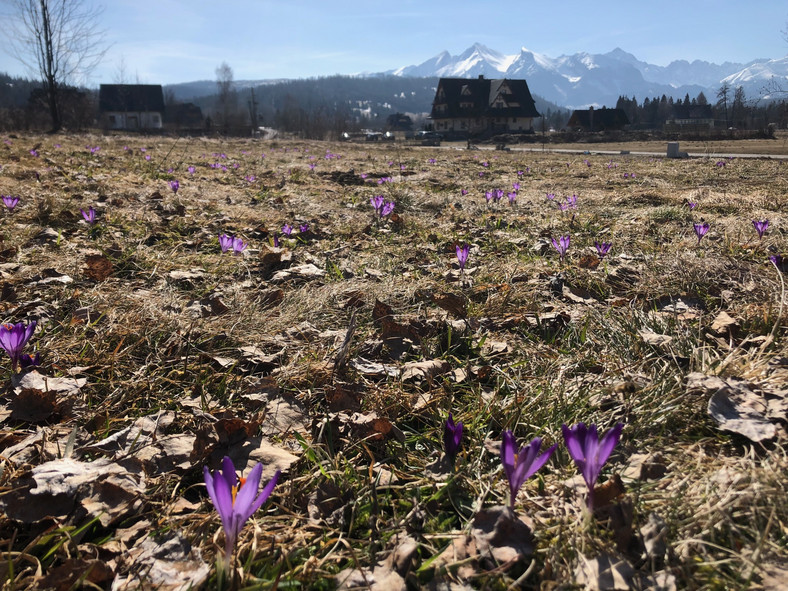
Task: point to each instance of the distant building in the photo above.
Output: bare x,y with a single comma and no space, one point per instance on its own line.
184,116
131,106
690,118
603,119
475,106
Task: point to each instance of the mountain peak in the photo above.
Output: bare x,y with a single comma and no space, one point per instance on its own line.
585,78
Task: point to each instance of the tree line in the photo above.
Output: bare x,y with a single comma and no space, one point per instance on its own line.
730,109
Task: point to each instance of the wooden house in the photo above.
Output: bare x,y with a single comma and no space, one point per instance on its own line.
131,106
603,119
467,107
692,118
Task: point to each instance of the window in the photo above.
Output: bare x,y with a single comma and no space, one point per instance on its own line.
112,119
466,105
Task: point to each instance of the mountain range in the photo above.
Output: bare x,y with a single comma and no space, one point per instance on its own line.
584,79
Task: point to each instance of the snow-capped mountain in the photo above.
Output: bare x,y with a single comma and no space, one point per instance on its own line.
586,79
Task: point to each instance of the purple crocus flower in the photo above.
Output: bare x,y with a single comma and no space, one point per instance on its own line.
10,202
26,360
520,464
589,452
377,202
498,195
692,205
13,338
561,245
89,215
602,249
463,192
303,228
34,153
516,186
701,229
551,196
760,226
175,185
452,437
488,195
235,500
462,254
387,208
238,245
776,260
191,170
512,197
287,229
225,242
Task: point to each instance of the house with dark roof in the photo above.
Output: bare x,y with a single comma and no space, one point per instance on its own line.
603,119
131,106
690,118
464,106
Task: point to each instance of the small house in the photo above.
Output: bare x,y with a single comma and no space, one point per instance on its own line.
603,119
464,106
131,106
693,118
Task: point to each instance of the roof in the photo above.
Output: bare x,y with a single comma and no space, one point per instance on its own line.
692,112
131,97
603,118
479,97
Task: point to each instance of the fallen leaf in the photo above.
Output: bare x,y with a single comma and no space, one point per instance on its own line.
425,370
501,535
73,572
98,267
657,340
605,573
70,489
166,563
454,304
735,406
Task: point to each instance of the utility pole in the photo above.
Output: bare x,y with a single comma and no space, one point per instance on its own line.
253,112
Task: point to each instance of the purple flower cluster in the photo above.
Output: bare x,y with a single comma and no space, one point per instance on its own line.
232,242
382,207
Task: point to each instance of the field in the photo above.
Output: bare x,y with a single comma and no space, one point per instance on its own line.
336,354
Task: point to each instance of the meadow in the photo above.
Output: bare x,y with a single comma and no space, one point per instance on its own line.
323,309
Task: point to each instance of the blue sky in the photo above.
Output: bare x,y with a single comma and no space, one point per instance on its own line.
168,41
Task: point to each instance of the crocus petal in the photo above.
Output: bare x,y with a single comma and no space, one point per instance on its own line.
608,443
572,438
246,494
508,447
264,494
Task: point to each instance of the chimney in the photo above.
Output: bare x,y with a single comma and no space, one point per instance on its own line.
481,76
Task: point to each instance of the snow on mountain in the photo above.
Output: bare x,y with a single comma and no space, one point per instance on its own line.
761,74
584,79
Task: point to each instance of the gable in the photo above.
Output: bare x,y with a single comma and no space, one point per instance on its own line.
482,97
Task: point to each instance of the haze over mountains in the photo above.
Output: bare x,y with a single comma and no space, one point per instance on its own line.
586,79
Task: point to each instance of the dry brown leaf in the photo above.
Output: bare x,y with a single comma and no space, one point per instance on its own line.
454,304
97,267
35,406
70,489
425,370
74,571
165,563
500,534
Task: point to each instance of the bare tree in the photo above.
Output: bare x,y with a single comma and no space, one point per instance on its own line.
58,41
722,100
225,98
